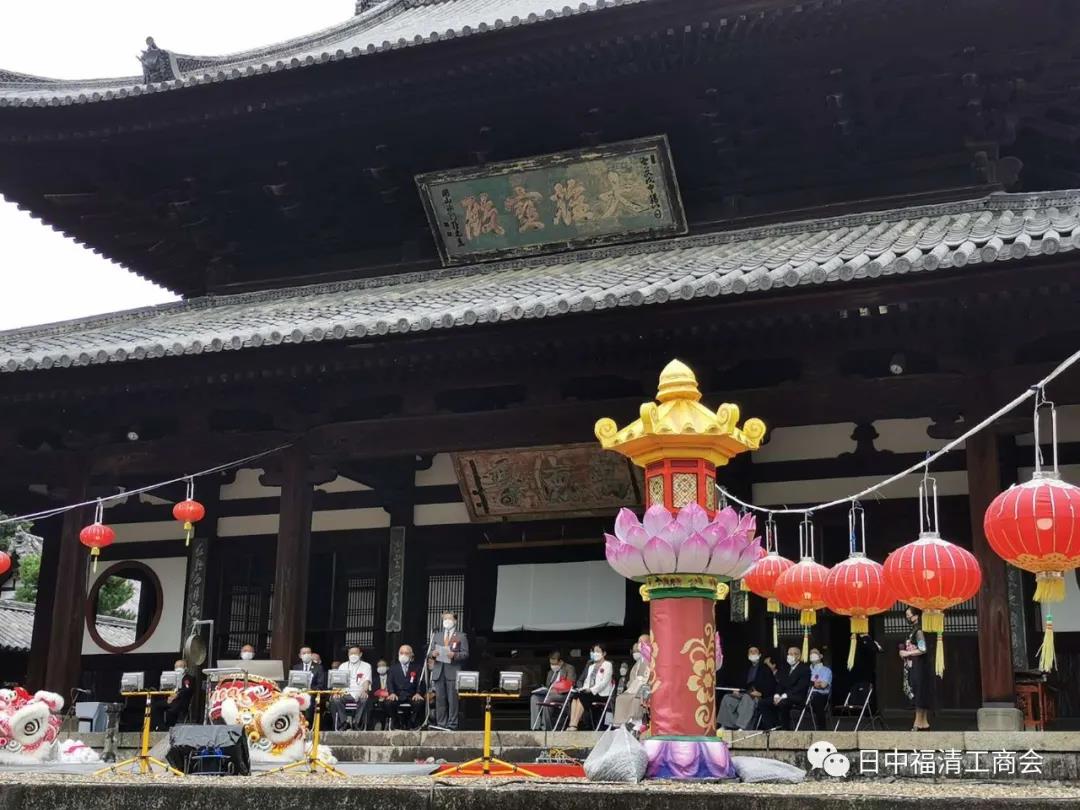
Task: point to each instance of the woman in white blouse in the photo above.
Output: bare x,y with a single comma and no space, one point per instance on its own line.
595,687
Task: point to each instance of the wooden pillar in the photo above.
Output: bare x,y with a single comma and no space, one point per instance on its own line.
289,604
992,601
66,597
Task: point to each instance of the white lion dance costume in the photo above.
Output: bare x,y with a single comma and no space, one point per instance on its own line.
273,719
29,728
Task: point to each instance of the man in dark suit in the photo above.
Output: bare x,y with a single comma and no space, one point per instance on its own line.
792,688
167,714
401,684
307,663
449,650
559,673
740,709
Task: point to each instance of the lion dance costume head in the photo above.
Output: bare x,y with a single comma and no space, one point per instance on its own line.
28,726
273,719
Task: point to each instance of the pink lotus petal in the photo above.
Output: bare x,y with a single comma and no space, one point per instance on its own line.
631,563
725,555
750,555
694,555
637,537
727,520
656,518
693,517
645,648
612,549
675,533
624,522
659,556
747,526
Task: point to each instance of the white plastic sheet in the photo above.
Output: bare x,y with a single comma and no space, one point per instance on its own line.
559,596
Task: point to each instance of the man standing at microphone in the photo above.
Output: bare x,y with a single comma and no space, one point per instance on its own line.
449,650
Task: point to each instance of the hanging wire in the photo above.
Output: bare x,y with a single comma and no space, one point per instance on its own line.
1032,391
806,537
99,503
1042,402
856,523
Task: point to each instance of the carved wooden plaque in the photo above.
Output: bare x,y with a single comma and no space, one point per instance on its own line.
535,483
617,193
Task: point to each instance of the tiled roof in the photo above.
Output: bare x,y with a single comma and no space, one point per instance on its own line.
997,228
387,26
17,627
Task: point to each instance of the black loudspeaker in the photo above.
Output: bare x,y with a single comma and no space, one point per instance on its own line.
209,750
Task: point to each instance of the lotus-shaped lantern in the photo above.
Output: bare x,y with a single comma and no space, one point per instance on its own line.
688,543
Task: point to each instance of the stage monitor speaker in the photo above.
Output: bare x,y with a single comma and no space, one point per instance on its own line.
209,750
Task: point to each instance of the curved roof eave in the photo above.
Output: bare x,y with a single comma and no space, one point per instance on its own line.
390,25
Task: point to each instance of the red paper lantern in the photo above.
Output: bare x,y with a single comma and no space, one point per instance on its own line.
5,562
762,576
96,536
856,588
803,587
932,574
1036,527
189,512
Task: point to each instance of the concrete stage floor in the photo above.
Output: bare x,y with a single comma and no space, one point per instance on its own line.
68,792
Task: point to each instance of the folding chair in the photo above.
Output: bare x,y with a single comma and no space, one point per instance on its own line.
548,703
857,704
605,718
806,709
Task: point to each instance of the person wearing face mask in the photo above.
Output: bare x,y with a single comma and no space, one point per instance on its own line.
820,687
918,677
306,663
357,694
167,713
449,650
597,685
741,708
545,701
375,709
792,688
247,653
401,683
629,705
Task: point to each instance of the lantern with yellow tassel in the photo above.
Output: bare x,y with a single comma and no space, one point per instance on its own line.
856,587
1036,526
932,574
762,578
97,535
189,512
802,586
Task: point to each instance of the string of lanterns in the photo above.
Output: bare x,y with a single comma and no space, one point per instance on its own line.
1034,526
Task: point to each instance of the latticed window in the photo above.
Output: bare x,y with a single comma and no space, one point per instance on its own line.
960,620
250,618
360,612
446,592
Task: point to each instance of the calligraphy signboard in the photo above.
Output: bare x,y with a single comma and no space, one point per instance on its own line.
617,193
546,482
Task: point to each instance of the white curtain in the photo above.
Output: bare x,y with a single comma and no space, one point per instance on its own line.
559,596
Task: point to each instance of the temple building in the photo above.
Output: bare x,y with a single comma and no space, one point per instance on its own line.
420,253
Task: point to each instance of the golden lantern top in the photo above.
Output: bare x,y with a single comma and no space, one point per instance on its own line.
677,425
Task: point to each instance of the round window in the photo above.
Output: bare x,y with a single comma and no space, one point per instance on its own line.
124,606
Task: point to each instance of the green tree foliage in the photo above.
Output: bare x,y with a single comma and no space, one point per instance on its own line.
29,569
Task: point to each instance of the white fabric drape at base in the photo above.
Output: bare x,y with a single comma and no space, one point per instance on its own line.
559,596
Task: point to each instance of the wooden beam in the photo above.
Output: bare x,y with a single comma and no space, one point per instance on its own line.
289,607
992,601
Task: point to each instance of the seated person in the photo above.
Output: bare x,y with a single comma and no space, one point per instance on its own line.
167,713
597,685
357,692
401,684
792,688
557,684
741,708
306,663
821,687
247,653
375,708
629,705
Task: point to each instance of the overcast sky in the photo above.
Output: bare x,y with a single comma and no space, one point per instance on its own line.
45,277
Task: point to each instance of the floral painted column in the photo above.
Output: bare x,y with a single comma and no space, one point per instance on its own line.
684,552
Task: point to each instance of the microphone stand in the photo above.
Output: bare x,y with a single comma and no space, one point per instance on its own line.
425,681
